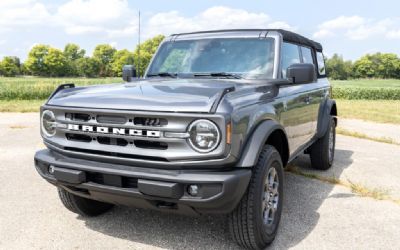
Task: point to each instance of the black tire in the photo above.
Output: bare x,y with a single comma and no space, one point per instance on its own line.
321,154
247,222
82,206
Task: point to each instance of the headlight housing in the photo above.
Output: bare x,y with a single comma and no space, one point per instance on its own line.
48,123
204,136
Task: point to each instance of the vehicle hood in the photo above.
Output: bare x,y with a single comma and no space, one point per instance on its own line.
172,95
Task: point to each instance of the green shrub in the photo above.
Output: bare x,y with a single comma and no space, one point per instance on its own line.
366,93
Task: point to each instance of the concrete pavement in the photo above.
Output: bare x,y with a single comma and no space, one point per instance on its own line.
316,215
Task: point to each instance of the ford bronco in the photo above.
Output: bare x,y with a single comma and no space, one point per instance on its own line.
208,129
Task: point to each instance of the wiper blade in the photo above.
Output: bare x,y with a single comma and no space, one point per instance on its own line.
163,74
220,74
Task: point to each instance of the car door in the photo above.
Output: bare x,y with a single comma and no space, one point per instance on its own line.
297,115
316,91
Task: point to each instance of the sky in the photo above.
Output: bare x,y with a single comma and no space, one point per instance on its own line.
350,28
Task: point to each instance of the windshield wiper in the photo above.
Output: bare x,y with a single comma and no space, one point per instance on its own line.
219,74
164,74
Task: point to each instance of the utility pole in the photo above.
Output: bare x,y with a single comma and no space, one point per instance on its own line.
138,64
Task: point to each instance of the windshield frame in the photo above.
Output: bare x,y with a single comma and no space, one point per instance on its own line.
276,37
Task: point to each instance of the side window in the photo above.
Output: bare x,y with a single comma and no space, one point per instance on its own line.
290,55
307,55
321,64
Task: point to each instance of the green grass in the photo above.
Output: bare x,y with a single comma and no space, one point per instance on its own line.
382,111
20,105
367,83
39,88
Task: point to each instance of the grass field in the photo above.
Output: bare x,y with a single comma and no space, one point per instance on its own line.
26,94
367,83
384,111
38,88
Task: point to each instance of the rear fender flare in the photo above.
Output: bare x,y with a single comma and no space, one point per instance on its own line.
324,117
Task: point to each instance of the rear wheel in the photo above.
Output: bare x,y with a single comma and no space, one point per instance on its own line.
322,152
82,206
254,222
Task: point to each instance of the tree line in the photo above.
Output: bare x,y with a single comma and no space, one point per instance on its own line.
378,65
106,61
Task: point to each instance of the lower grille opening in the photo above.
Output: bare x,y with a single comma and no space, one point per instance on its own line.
112,180
114,154
112,141
78,137
151,144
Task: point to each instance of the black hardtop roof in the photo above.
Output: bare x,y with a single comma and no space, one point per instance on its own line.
287,36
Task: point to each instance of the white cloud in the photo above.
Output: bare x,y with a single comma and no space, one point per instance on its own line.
22,14
218,17
393,34
111,17
356,27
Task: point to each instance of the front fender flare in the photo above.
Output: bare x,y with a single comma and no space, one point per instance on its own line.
256,141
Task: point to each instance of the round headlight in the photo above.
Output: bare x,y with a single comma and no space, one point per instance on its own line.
204,136
48,123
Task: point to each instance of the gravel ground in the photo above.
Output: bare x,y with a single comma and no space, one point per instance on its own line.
316,215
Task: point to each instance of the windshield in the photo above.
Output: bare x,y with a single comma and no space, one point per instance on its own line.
250,58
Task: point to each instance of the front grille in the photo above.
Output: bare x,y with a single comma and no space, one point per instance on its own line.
130,135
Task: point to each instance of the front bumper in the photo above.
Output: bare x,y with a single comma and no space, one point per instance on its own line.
159,189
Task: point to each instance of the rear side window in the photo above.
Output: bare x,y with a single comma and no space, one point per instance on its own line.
290,55
321,64
307,55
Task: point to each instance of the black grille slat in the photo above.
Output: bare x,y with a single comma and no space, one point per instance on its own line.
151,144
78,137
150,121
112,141
77,117
111,119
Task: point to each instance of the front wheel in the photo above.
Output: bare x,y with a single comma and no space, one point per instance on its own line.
254,222
82,206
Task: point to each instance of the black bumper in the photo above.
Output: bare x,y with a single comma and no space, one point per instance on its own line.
159,189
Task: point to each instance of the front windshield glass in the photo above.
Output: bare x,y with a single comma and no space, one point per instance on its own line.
250,58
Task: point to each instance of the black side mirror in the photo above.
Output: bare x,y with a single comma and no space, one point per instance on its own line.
128,72
301,73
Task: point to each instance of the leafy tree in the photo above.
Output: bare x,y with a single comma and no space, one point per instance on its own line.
338,69
121,58
388,65
104,53
88,67
10,66
35,62
147,50
55,62
378,65
72,52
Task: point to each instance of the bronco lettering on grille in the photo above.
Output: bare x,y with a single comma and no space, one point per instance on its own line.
114,131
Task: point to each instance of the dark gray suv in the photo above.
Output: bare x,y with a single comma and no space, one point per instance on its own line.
209,129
